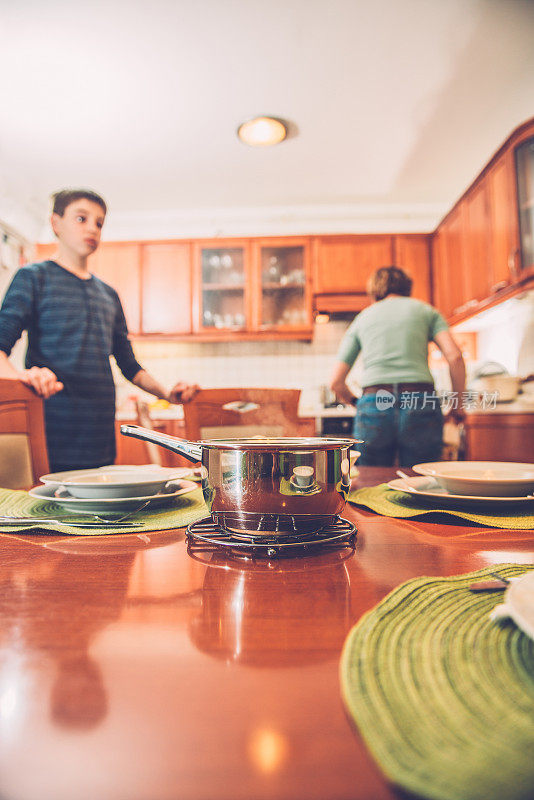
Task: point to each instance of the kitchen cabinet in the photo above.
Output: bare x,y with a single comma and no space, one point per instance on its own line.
483,251
281,275
502,226
343,264
411,252
524,161
448,264
252,287
504,437
166,288
222,286
119,264
475,243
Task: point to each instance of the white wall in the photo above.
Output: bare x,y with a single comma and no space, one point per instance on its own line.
505,334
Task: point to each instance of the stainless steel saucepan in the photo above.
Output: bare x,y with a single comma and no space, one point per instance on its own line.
266,486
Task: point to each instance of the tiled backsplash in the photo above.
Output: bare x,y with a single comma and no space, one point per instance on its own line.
290,364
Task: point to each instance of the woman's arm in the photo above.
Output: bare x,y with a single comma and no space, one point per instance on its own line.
453,356
338,383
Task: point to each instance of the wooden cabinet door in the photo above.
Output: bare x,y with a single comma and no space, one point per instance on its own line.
503,233
476,271
442,290
222,287
412,254
119,265
281,284
344,263
447,251
166,288
44,252
513,432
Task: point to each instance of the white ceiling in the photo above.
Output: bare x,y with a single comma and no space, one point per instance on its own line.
397,105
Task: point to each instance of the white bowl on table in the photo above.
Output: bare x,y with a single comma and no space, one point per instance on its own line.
481,478
105,484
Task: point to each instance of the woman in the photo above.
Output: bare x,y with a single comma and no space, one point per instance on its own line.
399,415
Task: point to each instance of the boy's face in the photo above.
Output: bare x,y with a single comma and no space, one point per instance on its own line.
80,226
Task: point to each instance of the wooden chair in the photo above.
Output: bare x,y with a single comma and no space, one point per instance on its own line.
154,451
23,454
215,413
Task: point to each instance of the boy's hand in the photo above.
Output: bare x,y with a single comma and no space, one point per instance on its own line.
183,392
42,380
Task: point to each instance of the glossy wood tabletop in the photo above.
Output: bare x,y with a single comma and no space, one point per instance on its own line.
131,669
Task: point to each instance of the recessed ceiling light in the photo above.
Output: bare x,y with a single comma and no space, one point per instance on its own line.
262,131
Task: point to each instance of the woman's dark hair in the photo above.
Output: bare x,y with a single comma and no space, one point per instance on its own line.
389,280
65,197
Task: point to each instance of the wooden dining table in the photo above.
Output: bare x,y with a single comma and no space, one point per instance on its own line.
134,667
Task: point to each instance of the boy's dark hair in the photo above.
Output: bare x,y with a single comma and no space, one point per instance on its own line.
389,280
65,197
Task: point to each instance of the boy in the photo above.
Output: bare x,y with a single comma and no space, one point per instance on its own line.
75,322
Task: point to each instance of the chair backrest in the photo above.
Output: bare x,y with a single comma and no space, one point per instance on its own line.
23,454
223,413
143,419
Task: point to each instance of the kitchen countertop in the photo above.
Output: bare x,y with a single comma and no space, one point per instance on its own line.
518,406
135,669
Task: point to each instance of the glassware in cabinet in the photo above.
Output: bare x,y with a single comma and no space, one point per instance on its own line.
525,194
223,279
283,301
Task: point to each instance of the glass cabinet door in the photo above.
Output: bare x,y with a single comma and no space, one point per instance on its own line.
223,283
283,300
525,194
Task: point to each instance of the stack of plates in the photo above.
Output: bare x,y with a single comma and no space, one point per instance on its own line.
114,488
453,483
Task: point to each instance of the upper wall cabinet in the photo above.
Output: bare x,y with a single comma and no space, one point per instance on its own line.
119,264
222,286
282,281
502,223
484,249
246,288
343,264
524,155
411,252
166,289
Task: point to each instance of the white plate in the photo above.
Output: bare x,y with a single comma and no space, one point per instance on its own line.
481,478
519,604
430,489
113,504
114,481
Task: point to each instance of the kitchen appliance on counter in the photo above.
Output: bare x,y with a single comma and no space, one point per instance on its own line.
493,378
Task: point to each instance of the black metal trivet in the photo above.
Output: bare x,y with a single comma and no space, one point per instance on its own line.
206,535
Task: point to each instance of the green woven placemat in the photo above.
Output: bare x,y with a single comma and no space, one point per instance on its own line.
442,695
393,503
183,510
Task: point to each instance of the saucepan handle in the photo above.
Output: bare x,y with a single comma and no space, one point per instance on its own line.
190,450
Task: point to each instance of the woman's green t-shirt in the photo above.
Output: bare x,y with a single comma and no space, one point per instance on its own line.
393,336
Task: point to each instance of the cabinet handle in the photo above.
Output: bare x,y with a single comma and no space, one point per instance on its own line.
512,263
497,286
